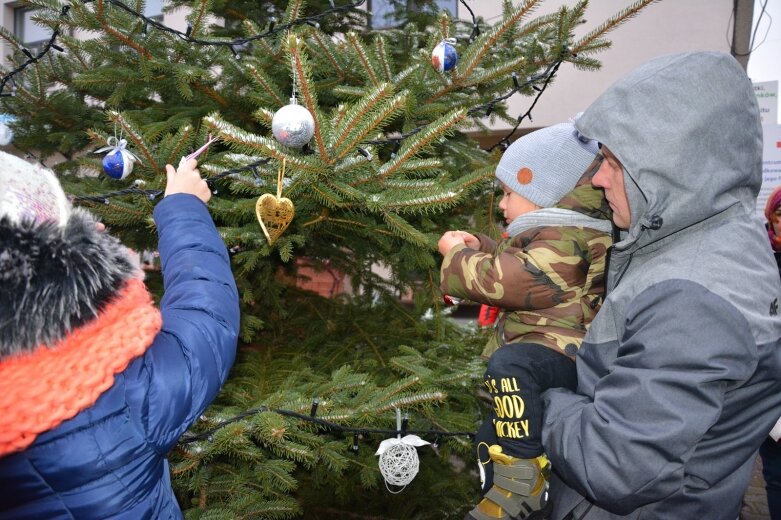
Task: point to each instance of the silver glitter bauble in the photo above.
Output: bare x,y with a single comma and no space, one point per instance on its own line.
293,125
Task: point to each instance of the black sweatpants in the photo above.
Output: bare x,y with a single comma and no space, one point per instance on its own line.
516,377
770,451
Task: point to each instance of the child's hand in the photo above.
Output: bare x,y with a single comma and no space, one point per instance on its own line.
470,240
450,239
187,179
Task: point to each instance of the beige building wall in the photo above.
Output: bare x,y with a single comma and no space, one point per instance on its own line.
669,26
8,8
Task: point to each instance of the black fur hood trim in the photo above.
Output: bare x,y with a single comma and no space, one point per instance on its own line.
54,279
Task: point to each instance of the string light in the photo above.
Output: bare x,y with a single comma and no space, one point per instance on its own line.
365,153
475,28
32,59
396,139
272,28
184,35
547,76
135,189
330,426
485,109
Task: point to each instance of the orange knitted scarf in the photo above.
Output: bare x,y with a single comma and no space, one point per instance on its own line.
42,388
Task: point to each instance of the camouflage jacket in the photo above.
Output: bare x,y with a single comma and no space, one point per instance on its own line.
548,280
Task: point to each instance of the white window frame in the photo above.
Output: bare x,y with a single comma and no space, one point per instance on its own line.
154,9
23,17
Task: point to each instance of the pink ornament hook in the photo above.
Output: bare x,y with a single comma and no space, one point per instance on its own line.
200,150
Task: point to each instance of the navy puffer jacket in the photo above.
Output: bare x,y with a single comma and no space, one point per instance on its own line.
109,461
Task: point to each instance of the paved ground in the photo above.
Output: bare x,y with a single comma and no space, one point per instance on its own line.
755,501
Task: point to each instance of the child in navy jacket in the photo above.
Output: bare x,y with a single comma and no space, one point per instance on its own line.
97,384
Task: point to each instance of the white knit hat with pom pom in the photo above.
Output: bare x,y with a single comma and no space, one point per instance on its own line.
29,192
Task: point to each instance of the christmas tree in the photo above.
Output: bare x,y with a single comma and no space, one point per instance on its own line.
391,162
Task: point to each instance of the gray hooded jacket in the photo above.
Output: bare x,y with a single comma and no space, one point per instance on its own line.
678,376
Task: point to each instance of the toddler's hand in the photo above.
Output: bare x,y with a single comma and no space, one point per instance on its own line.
470,240
187,179
448,240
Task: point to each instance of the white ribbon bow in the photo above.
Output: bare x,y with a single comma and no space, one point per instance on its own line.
115,144
410,440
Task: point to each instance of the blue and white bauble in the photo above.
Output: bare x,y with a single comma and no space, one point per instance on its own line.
444,56
118,162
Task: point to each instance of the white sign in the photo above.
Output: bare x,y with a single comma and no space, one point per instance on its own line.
771,164
767,97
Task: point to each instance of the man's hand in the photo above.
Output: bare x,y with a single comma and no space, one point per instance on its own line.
453,238
187,179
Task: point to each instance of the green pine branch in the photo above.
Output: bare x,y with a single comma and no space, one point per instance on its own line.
363,58
439,128
486,41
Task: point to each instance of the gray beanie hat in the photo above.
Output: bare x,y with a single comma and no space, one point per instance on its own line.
546,164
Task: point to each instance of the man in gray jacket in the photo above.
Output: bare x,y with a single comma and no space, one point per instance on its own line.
679,376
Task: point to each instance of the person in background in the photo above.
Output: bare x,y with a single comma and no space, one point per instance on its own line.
97,384
679,375
773,225
547,278
770,450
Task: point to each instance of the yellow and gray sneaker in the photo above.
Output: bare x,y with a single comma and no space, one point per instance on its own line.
520,489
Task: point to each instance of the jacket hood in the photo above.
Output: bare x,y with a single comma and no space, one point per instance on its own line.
686,129
55,278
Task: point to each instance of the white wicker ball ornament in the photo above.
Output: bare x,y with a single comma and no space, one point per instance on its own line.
399,464
399,461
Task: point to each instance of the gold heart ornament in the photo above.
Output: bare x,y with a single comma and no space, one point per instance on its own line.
274,214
